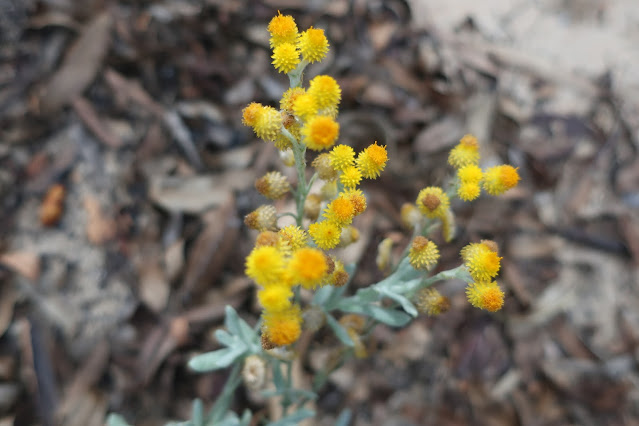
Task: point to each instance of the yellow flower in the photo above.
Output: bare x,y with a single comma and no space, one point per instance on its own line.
485,295
313,44
448,225
289,97
384,251
351,177
283,29
466,152
275,297
468,191
325,234
348,236
294,237
482,262
357,198
372,160
342,157
265,264
500,179
470,173
411,216
312,206
329,190
325,170
432,202
273,185
283,327
250,113
285,57
305,106
267,238
320,132
326,91
432,302
339,277
308,267
423,254
264,218
340,211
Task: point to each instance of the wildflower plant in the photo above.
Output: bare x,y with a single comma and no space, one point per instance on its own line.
295,263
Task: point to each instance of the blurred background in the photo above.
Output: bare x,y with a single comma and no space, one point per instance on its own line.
125,173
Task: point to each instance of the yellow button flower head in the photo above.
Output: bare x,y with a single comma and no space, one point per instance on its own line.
267,238
342,156
448,226
283,29
350,177
312,206
326,91
294,237
289,97
313,44
468,191
340,211
283,327
324,168
384,251
265,121
320,132
349,235
357,198
411,216
273,185
372,160
339,277
308,267
432,202
469,176
264,218
251,113
285,57
485,295
329,190
423,253
482,262
466,152
432,302
325,234
500,179
265,264
275,297
305,106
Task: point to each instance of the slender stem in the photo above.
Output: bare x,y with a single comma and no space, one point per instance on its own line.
286,397
295,76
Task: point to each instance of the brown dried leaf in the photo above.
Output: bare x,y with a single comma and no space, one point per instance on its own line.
154,287
439,136
26,264
80,65
99,228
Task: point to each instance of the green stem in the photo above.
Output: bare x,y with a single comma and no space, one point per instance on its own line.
286,397
295,76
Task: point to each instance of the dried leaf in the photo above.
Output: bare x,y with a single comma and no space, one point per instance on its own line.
26,264
99,228
80,66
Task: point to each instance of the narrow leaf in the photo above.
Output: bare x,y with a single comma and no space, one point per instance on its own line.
340,331
217,359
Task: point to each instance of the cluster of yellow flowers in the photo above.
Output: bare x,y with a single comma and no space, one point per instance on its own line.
433,202
285,259
495,180
307,114
483,263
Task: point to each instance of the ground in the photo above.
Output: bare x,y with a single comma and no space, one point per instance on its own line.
131,112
